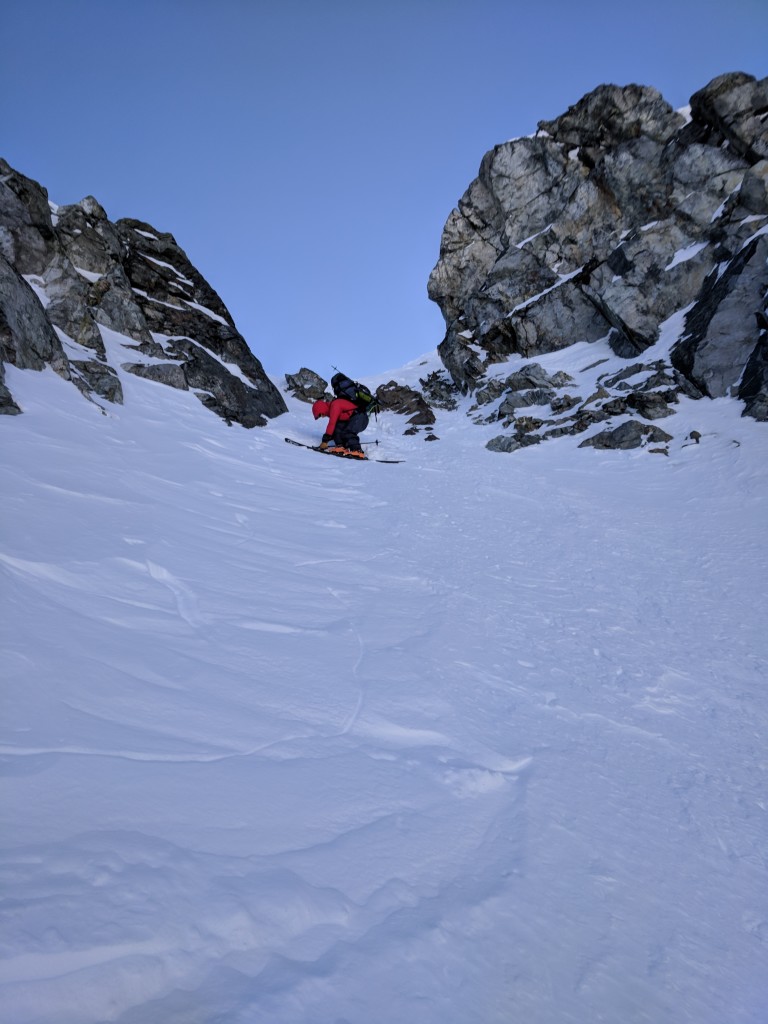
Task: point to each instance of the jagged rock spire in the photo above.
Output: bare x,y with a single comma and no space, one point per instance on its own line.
68,273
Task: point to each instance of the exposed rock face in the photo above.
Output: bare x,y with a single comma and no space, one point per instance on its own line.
617,215
439,390
308,386
7,405
631,434
754,386
68,275
535,406
735,106
27,339
721,329
400,398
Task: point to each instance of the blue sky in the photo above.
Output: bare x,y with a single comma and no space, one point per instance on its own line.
307,154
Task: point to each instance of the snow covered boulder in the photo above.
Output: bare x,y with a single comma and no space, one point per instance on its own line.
439,390
406,401
631,434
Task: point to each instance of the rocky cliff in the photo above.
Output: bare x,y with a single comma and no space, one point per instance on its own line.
86,296
622,219
623,225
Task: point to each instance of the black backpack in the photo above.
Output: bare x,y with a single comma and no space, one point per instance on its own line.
345,387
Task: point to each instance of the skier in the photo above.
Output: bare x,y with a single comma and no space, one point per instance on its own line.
345,424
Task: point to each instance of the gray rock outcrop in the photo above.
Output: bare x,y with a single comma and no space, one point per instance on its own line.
70,279
618,215
307,386
551,409
439,391
27,338
407,401
631,434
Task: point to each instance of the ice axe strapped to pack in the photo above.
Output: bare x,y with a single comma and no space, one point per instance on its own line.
353,391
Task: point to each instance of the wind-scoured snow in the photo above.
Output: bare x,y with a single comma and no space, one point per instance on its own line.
473,739
685,254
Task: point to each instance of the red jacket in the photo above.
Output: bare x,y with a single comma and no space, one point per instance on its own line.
339,409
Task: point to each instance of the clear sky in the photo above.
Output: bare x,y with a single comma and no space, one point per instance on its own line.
306,153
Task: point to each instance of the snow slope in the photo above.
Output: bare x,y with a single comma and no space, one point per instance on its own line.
476,739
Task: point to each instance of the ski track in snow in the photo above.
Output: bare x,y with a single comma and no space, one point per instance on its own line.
473,739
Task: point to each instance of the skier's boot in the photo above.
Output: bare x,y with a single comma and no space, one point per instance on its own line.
355,453
337,449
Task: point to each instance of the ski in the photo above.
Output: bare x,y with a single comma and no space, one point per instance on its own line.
314,448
